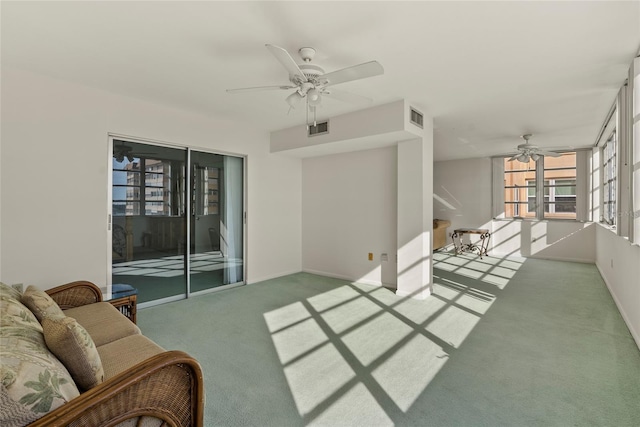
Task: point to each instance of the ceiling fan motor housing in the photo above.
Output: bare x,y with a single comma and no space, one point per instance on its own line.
527,146
311,70
307,53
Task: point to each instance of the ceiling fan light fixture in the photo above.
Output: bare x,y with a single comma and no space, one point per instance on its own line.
314,101
313,95
294,99
535,157
524,158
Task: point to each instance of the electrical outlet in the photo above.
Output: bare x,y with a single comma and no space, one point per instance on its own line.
18,287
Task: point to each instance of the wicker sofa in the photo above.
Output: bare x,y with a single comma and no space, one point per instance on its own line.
46,381
440,233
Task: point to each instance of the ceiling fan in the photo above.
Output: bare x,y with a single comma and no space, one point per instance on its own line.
121,151
529,151
309,81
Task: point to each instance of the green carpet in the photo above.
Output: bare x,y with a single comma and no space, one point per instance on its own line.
502,342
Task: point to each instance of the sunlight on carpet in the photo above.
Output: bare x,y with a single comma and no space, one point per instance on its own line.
363,347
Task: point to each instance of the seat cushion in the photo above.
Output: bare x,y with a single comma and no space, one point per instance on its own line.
103,321
120,355
119,290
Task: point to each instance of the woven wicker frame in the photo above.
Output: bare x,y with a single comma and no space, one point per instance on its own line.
167,386
75,294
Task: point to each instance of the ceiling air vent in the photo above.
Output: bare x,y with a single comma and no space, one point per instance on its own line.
319,128
416,117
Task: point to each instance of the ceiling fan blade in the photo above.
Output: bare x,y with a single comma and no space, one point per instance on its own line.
287,61
362,71
349,97
548,153
259,88
514,157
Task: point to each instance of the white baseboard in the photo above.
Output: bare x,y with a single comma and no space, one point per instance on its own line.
635,334
581,260
341,277
423,295
271,276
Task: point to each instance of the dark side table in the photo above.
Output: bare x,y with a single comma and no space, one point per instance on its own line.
457,234
124,298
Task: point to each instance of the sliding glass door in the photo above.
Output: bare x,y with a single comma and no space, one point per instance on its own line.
216,250
148,220
154,250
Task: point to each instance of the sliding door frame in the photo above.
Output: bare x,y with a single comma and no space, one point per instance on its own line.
244,222
188,210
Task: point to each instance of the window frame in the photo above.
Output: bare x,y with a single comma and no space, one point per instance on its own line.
540,198
520,204
609,156
139,176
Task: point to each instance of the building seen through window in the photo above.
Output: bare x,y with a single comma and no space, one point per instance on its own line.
554,189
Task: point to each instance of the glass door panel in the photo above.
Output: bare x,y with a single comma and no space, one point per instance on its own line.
217,230
148,220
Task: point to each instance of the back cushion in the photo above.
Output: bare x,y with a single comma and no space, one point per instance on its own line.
40,303
33,381
68,340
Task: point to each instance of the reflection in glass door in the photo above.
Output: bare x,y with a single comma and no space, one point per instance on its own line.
148,220
216,231
153,248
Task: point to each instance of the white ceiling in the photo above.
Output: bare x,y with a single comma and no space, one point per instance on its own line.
486,72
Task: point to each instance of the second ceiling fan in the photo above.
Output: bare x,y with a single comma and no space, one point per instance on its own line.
528,151
309,81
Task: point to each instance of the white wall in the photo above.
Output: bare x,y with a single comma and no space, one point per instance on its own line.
559,240
54,179
619,264
374,127
0,197
349,209
462,194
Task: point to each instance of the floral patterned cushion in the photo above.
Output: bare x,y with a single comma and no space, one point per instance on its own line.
40,303
13,314
9,291
32,380
68,340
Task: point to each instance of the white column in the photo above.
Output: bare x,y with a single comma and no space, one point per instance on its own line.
623,185
415,216
635,153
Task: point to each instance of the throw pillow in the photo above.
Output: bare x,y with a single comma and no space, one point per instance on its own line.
73,345
9,291
40,303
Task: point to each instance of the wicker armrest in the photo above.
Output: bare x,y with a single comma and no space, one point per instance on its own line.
75,294
168,386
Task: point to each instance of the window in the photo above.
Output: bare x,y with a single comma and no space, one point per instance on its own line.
519,188
560,186
609,174
547,195
134,196
206,196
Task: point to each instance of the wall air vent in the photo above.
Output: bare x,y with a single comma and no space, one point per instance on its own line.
319,128
416,117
